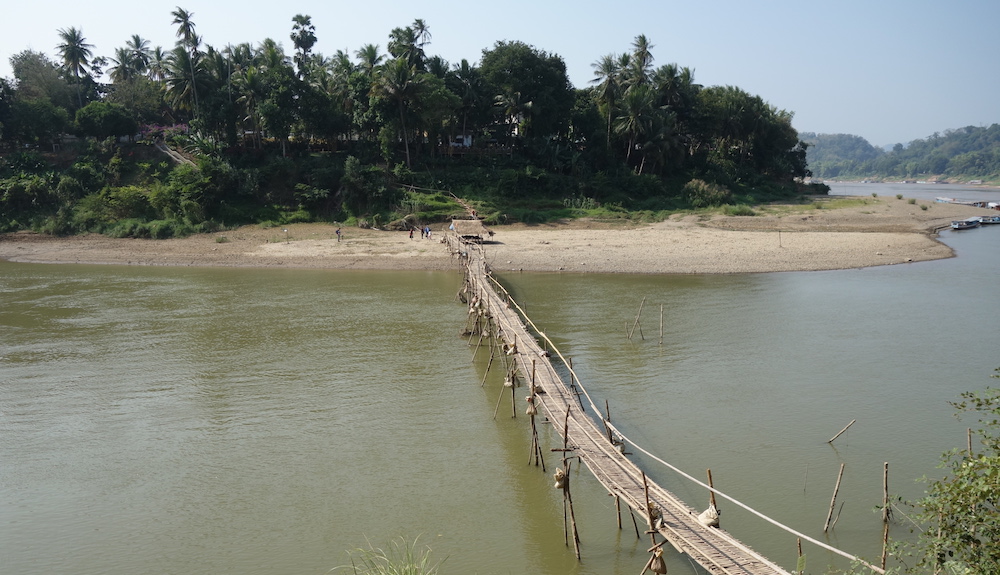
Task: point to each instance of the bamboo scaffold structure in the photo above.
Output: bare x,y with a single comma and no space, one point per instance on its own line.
601,449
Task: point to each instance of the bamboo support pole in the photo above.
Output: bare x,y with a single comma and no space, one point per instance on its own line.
636,323
799,541
649,519
833,501
499,399
607,428
513,398
572,514
634,523
842,431
479,344
661,324
885,493
489,364
618,511
711,494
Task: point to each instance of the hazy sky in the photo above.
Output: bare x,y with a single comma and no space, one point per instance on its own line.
887,70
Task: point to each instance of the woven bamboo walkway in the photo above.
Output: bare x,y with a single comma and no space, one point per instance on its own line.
714,549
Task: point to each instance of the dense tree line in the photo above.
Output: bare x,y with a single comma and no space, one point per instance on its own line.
276,132
968,153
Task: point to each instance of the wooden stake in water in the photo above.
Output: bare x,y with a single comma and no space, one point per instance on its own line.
636,323
661,324
842,431
833,501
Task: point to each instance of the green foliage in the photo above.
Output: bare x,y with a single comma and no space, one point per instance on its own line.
104,120
959,512
400,557
739,210
702,194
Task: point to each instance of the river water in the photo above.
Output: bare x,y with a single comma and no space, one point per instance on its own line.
207,421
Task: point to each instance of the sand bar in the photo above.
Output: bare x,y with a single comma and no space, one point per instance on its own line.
881,231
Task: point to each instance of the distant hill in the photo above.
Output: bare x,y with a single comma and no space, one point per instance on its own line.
964,154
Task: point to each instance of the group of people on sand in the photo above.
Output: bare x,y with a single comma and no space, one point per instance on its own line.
425,232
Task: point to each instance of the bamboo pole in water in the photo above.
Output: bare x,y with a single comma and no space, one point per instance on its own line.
833,501
636,323
885,492
842,431
661,324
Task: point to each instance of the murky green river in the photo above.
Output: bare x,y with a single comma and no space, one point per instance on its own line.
235,421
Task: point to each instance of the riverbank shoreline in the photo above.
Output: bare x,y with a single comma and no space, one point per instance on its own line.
863,233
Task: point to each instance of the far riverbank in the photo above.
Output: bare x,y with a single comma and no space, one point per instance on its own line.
867,232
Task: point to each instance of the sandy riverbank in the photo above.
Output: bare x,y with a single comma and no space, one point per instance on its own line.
879,231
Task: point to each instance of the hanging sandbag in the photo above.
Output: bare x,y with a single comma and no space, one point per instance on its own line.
560,477
658,565
532,410
710,517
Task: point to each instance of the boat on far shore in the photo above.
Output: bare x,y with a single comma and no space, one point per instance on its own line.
966,224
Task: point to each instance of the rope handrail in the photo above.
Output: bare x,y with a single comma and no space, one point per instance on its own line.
622,437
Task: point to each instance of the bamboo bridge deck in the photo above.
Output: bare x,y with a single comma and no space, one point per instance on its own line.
714,549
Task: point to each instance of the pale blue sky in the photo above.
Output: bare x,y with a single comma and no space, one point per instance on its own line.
887,70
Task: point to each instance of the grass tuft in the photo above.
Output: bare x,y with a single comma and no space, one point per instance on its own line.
400,557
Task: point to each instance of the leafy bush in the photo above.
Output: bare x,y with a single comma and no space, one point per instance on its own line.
702,194
739,210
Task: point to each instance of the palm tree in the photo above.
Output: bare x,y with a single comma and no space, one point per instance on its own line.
421,32
125,68
369,58
513,110
157,64
642,60
607,76
188,39
75,53
470,84
403,43
635,117
398,80
182,79
250,84
140,52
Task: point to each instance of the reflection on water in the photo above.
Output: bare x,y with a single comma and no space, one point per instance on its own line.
265,421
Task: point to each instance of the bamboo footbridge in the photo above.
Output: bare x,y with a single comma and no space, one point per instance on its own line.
494,314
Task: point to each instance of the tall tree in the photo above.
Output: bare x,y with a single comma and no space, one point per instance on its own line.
75,53
189,40
642,60
369,58
539,77
403,43
141,53
399,81
636,116
607,76
304,38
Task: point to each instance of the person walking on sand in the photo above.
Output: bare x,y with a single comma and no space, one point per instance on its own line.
338,234
422,230
411,233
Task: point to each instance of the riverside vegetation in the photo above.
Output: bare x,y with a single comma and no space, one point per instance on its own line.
371,138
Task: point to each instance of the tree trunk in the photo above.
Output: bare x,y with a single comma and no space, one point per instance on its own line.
406,141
